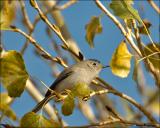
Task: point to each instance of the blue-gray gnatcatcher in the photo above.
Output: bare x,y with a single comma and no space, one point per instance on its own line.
81,72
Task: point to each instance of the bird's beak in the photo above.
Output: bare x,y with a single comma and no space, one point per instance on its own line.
105,66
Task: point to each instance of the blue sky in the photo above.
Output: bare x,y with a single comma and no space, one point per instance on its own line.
76,17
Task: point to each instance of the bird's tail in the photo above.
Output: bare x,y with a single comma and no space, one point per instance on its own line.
42,103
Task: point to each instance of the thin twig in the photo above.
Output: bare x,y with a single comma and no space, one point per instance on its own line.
32,90
38,47
128,98
59,117
87,111
33,42
130,40
155,7
109,123
55,29
28,23
147,62
66,5
114,113
113,91
45,19
26,18
34,26
119,25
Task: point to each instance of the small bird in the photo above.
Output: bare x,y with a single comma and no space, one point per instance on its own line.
81,72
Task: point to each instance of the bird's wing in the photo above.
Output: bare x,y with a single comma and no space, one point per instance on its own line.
61,77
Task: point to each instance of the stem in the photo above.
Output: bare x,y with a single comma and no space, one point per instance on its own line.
129,99
155,7
119,25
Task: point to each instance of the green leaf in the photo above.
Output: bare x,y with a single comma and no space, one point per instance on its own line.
68,105
30,120
13,73
92,28
81,90
154,59
7,111
120,62
124,9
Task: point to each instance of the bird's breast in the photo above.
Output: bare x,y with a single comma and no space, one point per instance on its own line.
80,76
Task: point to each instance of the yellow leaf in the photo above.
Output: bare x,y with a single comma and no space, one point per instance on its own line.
92,28
120,62
7,111
7,13
5,99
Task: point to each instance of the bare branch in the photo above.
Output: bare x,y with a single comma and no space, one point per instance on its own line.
55,29
128,98
109,123
58,116
155,7
45,53
66,5
119,25
26,18
27,22
44,18
87,111
147,62
32,90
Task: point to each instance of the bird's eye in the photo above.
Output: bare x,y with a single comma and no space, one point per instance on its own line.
94,64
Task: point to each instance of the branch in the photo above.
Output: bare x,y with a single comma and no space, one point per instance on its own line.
155,7
27,23
32,90
119,25
31,30
124,96
45,54
56,30
26,18
44,18
92,94
87,111
66,5
60,22
147,62
109,123
58,116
